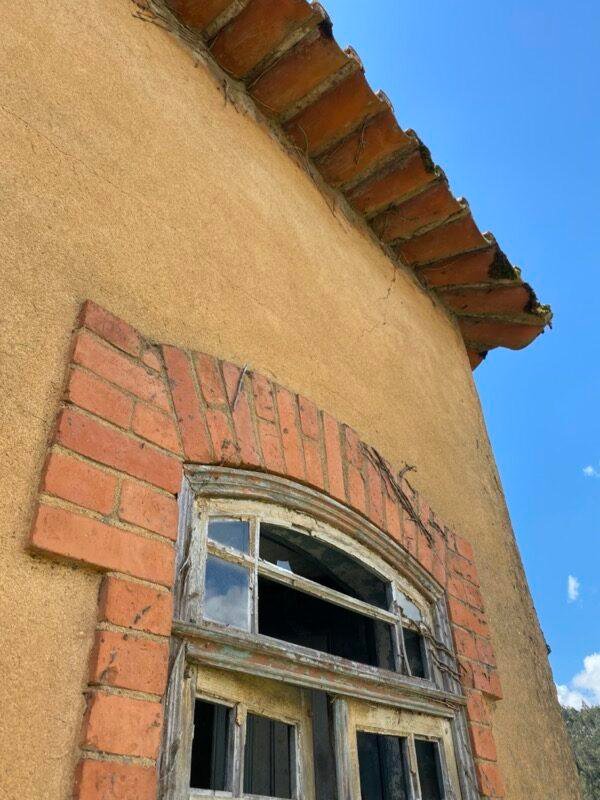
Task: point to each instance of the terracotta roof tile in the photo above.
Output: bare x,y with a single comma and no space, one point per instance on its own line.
296,73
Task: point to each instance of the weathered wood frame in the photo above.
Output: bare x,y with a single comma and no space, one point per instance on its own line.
250,653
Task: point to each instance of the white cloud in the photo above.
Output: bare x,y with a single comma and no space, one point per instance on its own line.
585,686
569,698
573,586
588,680
591,472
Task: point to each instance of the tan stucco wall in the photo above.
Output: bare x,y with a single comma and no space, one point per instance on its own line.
127,179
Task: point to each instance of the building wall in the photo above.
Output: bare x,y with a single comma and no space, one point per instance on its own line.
129,178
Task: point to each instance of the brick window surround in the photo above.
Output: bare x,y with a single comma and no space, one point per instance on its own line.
132,414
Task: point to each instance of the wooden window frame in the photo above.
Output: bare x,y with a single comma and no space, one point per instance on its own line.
439,696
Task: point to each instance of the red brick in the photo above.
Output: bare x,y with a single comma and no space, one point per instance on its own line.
111,780
101,443
231,377
241,415
90,392
102,359
457,587
263,397
192,425
410,533
109,327
72,536
127,662
290,436
464,642
137,732
151,359
490,780
133,605
352,447
467,617
463,567
465,669
153,425
209,378
79,483
222,437
477,710
333,452
485,652
270,443
473,596
375,495
438,570
313,458
392,517
149,509
309,417
464,548
424,551
487,680
356,489
483,743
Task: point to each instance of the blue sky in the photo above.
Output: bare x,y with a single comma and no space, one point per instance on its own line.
507,96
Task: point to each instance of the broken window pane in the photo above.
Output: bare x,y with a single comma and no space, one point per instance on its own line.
299,618
415,652
313,559
230,532
428,762
269,757
409,609
226,593
382,767
209,746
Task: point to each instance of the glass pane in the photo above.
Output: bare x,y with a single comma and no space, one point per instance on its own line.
209,746
381,767
415,652
293,616
230,532
227,593
306,556
429,770
409,609
269,757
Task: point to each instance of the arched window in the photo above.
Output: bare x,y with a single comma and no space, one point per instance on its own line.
312,655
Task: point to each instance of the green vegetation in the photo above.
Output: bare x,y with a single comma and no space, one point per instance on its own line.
584,728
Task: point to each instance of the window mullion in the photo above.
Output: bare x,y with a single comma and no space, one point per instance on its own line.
238,739
414,783
254,550
346,788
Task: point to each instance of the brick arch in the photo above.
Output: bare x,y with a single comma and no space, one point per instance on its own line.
133,412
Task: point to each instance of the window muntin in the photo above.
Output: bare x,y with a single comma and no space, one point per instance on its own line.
306,568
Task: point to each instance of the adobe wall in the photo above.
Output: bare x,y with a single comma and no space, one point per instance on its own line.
128,178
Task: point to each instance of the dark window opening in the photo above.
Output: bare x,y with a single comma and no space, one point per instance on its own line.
287,614
269,757
323,746
415,653
209,746
430,778
382,766
319,562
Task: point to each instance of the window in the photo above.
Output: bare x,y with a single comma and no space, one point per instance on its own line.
311,657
